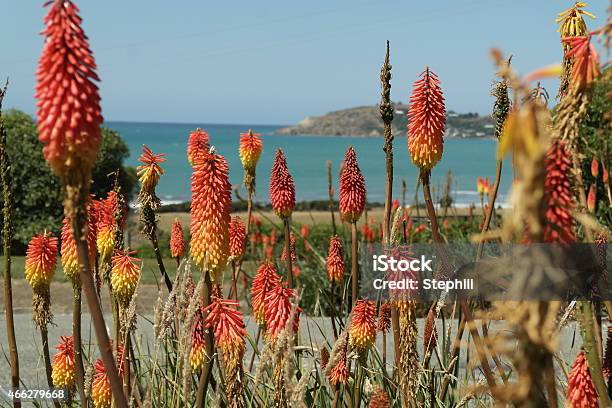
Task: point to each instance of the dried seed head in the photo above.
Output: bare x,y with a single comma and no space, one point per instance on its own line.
384,317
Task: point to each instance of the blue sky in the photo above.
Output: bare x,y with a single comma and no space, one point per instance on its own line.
275,62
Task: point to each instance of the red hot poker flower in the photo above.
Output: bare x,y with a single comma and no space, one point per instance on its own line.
197,146
210,213
278,311
585,66
228,325
198,343
237,238
558,194
150,170
282,188
362,332
352,188
379,399
68,108
177,239
592,198
125,274
63,364
41,258
264,282
427,119
339,374
594,167
580,388
335,260
250,149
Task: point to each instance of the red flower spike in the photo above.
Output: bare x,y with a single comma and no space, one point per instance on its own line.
335,260
282,187
352,188
197,146
339,373
41,258
585,67
580,389
210,213
177,239
68,107
237,238
68,251
228,325
264,282
558,194
362,332
427,119
278,310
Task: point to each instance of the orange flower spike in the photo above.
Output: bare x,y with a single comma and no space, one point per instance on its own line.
282,187
198,344
335,260
352,188
237,238
197,146
41,258
100,387
585,67
68,107
250,150
177,240
125,274
265,280
581,391
210,213
339,373
228,325
558,193
277,310
106,226
63,367
427,119
362,332
304,231
150,171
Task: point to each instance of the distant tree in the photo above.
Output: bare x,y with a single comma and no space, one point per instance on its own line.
37,194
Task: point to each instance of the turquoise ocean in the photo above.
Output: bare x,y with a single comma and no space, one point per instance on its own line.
307,158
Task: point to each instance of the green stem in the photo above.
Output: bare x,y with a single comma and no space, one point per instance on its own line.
78,347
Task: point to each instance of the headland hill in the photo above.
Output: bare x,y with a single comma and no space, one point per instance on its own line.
365,121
